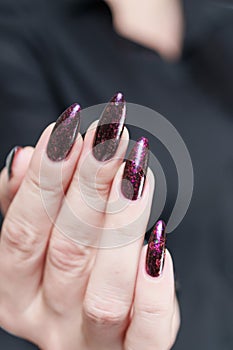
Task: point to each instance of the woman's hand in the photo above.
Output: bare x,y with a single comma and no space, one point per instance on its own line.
73,273
156,24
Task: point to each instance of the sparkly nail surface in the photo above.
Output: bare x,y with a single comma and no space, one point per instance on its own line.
135,170
10,159
110,128
156,250
64,133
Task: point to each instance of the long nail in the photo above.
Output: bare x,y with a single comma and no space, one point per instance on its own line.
135,170
110,128
10,159
64,133
156,250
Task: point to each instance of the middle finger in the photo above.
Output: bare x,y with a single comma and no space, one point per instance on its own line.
72,246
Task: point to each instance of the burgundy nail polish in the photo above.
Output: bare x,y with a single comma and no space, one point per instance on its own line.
10,159
156,250
64,133
110,128
135,170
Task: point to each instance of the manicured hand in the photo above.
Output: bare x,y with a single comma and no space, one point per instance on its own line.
73,270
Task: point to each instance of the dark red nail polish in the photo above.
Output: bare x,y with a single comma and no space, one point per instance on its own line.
10,159
156,250
64,133
136,165
110,128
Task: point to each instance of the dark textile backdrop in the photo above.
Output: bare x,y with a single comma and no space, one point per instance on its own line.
55,52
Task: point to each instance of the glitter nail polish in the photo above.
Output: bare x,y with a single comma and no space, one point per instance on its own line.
156,250
64,133
110,128
135,170
10,159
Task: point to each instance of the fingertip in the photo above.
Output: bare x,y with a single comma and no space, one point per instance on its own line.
90,138
22,161
40,159
44,137
29,150
18,169
167,275
125,134
92,127
149,183
168,269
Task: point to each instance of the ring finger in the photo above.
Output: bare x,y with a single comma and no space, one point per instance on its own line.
110,289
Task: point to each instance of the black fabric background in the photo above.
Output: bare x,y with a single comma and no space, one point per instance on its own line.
53,53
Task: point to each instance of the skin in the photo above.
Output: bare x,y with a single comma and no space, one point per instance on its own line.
156,24
60,294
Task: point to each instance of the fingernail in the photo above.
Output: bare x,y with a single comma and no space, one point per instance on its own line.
64,133
10,159
110,128
135,170
156,250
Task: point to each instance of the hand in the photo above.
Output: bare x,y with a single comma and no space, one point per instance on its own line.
156,24
62,293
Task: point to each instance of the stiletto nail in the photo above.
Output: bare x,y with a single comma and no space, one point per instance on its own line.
156,250
110,128
10,159
135,170
64,133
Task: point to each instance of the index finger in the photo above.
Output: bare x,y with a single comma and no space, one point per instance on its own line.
27,225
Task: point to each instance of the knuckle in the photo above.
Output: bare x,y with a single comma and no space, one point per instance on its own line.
92,185
152,342
103,315
130,344
129,347
67,256
32,181
154,311
20,236
92,178
40,182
